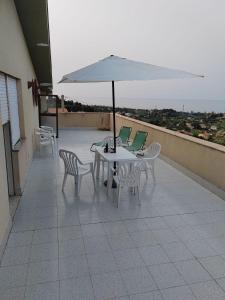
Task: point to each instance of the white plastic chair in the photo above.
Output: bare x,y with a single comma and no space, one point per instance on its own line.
44,139
128,175
50,130
76,168
148,160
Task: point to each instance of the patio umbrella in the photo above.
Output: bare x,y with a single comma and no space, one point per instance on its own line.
114,68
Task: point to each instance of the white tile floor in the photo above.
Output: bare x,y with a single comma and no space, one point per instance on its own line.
67,247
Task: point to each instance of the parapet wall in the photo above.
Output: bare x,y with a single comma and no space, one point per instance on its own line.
203,158
98,120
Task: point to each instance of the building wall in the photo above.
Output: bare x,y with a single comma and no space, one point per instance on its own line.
203,158
15,61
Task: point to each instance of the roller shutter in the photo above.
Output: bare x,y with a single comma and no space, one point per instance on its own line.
13,110
4,109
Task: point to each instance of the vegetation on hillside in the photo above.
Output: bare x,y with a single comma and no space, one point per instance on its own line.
207,126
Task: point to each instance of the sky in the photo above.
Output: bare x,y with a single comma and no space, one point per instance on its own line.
181,34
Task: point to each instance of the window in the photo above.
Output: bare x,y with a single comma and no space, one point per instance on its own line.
4,109
9,106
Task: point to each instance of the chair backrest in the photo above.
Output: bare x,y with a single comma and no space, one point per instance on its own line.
124,134
47,128
70,162
129,173
139,140
43,136
153,150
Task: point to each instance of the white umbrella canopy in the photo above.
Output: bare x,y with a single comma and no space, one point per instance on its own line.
114,68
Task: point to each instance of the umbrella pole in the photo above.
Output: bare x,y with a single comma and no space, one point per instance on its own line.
114,116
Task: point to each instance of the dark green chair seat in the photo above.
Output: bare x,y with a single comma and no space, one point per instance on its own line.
139,141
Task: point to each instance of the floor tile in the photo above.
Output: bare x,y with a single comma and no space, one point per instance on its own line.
165,236
177,251
73,267
69,233
20,239
42,272
91,230
119,242
48,291
136,225
215,265
45,236
128,258
192,271
156,223
13,276
153,255
13,293
221,282
155,295
138,280
68,220
200,248
207,291
16,256
166,275
174,221
112,228
108,285
76,289
144,238
179,293
101,262
71,248
41,252
96,245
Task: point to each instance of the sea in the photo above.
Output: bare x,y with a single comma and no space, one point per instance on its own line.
187,105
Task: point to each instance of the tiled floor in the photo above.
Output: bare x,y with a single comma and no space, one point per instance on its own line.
68,247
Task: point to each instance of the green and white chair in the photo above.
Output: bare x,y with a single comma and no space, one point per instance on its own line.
138,142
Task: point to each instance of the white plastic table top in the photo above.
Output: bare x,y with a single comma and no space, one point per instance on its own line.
121,154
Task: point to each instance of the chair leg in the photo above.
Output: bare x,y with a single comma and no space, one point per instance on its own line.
153,171
138,195
93,177
118,196
146,173
103,169
79,184
64,181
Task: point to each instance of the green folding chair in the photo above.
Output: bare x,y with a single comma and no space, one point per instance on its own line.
138,142
124,134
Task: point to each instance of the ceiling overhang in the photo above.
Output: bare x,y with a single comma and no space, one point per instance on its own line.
33,15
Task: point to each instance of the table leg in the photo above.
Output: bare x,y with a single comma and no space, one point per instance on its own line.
109,182
97,159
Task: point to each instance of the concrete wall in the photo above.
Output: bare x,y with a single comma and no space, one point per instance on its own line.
85,119
15,61
203,158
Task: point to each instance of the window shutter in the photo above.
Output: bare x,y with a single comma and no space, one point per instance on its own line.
4,109
13,110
